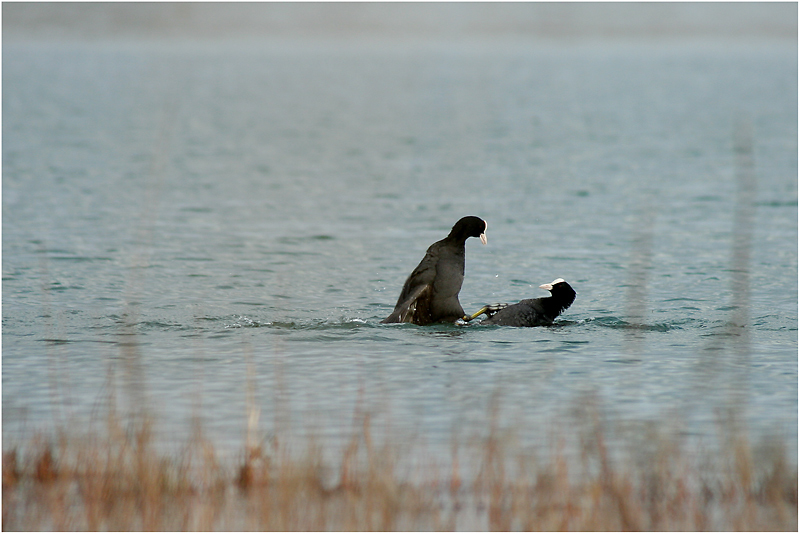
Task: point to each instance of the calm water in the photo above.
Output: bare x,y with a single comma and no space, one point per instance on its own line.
179,217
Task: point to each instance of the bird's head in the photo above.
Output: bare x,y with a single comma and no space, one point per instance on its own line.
561,291
470,226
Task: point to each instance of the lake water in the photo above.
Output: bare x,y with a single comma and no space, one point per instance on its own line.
183,219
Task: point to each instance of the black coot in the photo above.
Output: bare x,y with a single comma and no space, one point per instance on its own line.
532,312
430,294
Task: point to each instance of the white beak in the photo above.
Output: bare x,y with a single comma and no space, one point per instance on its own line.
483,235
549,287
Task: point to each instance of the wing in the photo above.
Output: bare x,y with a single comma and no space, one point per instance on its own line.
414,301
524,313
415,309
423,275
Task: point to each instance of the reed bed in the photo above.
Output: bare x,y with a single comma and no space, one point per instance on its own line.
121,481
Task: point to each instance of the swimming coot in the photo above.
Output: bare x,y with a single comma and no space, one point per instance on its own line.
532,312
430,294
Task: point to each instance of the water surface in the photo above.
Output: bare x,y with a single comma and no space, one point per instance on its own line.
179,219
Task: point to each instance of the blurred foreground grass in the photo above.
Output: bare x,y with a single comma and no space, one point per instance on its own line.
121,482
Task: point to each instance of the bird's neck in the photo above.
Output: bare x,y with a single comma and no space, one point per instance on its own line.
554,306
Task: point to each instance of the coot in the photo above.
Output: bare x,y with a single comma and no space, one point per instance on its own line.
531,312
430,294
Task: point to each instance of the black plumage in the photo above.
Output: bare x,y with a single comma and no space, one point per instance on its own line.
430,294
533,312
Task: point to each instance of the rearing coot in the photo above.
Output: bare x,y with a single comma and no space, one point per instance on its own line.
532,312
430,294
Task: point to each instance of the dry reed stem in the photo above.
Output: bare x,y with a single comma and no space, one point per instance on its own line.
121,482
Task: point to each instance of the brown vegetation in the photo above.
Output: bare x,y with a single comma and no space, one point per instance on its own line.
120,482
